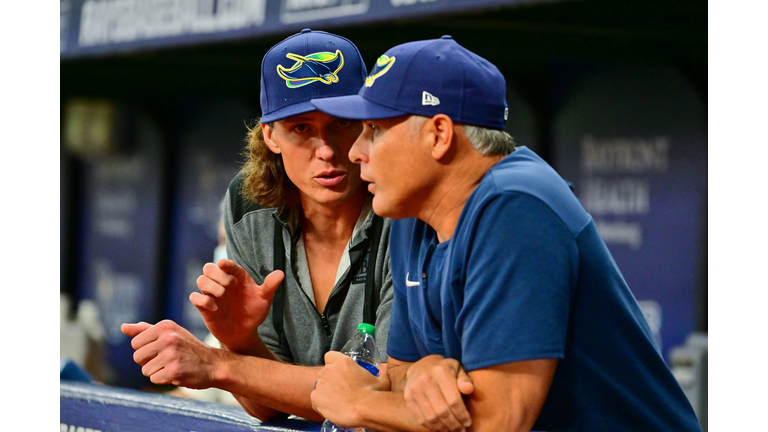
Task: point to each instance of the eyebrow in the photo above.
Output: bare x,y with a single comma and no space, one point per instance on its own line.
298,119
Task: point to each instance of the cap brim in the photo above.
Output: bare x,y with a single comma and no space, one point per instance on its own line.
355,107
291,110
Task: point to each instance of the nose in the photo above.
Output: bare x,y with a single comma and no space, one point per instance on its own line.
356,153
327,150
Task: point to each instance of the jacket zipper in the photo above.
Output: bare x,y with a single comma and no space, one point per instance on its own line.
326,326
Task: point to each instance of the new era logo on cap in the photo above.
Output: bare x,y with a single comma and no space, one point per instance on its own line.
427,78
428,99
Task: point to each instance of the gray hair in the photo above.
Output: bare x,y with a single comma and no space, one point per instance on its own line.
489,142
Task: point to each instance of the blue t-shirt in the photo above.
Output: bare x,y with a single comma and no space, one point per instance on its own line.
527,276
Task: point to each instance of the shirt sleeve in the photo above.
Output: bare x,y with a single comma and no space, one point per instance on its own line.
521,262
266,330
401,344
233,248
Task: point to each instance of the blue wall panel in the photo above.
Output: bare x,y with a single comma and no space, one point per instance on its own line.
633,142
121,241
207,157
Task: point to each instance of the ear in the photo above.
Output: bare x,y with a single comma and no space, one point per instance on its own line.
268,140
442,129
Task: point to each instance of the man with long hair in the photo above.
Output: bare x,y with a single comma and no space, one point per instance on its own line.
308,258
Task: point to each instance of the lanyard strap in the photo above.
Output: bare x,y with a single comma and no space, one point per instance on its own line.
372,295
279,298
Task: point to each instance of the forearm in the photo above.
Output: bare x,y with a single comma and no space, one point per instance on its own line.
487,417
266,388
386,412
509,396
396,373
255,348
261,412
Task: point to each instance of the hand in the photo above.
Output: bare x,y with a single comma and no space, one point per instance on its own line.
169,354
433,392
342,383
232,304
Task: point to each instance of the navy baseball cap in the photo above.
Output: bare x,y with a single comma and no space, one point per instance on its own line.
426,78
307,65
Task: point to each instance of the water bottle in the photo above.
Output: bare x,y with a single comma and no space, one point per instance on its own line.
362,349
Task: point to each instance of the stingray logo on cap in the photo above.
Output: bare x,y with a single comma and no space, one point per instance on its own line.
320,66
383,64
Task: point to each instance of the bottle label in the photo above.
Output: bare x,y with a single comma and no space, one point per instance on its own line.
369,367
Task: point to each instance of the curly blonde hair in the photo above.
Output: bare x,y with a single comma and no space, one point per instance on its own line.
264,179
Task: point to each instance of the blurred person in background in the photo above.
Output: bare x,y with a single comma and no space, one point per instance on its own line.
509,313
308,258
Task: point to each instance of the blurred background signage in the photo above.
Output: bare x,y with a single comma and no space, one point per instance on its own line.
157,97
103,26
631,142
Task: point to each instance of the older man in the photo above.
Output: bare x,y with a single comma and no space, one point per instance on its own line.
497,269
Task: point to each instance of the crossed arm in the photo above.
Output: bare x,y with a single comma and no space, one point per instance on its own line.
431,394
503,397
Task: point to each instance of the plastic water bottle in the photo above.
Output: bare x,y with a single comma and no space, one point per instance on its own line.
362,349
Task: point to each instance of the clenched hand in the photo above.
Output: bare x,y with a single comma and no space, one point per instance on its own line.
169,354
433,392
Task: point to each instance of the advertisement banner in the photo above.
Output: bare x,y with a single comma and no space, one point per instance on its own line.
98,27
633,142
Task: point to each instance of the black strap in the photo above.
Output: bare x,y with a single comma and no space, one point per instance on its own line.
372,295
279,299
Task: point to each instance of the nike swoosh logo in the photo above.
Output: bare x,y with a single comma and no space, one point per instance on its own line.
409,283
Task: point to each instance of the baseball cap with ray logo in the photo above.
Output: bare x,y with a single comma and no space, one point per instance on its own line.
305,66
429,77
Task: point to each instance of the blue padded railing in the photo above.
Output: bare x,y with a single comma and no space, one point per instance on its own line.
88,407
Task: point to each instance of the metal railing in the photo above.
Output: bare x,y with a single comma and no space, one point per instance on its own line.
100,408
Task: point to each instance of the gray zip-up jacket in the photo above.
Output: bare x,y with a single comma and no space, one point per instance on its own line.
307,334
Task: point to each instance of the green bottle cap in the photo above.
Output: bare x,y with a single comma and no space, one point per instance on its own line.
366,328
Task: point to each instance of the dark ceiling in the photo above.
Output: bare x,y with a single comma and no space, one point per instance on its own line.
523,41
